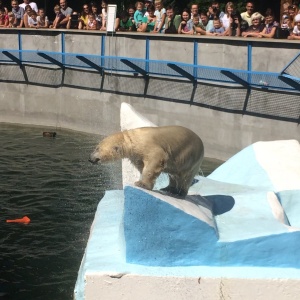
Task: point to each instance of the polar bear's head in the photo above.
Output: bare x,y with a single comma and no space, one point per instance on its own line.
109,149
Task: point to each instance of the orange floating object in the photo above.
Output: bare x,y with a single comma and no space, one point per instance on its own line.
24,220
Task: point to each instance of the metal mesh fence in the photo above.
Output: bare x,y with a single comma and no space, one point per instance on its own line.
293,68
227,98
274,104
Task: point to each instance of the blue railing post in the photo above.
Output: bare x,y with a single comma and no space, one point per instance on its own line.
195,62
20,45
102,50
147,54
63,48
249,61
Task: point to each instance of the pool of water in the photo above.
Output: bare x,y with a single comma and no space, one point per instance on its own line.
51,181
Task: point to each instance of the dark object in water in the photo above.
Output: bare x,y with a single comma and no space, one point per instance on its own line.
51,134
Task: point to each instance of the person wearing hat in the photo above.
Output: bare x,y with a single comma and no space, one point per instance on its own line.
256,27
296,31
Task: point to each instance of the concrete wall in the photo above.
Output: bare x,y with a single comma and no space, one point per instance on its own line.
88,108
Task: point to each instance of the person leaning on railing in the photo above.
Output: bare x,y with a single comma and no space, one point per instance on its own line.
295,35
205,26
235,25
11,20
66,11
97,15
18,13
292,13
84,17
27,13
148,23
58,17
186,25
124,22
42,19
3,18
172,21
160,13
271,25
256,27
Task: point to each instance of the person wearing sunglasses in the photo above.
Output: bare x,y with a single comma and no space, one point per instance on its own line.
84,18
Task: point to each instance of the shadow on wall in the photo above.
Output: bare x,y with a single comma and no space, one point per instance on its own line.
259,102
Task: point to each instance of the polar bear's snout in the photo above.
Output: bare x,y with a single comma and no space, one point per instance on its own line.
93,158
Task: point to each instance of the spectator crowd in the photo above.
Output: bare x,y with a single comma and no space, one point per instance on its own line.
152,17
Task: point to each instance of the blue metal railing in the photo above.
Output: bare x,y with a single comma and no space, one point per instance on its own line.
148,67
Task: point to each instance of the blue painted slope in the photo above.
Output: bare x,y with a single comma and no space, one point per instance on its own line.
244,169
158,234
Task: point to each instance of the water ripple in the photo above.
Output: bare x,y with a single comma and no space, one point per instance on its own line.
50,181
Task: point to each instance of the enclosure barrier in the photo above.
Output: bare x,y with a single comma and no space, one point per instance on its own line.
278,90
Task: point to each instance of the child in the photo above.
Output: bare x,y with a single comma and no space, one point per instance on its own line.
218,29
43,21
92,23
11,20
27,12
32,20
285,22
97,15
3,18
125,22
296,31
196,22
19,14
160,13
149,25
271,25
58,17
139,14
131,11
104,6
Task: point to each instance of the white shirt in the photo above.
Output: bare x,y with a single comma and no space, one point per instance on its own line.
32,4
225,21
31,21
296,31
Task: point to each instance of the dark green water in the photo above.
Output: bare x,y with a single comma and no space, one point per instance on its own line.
50,181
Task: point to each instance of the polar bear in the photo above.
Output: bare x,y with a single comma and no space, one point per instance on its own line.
174,150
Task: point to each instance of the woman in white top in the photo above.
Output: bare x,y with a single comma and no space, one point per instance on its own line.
226,19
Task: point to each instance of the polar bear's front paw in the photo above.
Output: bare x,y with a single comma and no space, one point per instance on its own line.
141,184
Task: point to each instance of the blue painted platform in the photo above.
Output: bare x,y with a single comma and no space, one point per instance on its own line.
241,221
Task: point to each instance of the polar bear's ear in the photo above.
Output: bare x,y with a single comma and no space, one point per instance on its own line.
116,149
